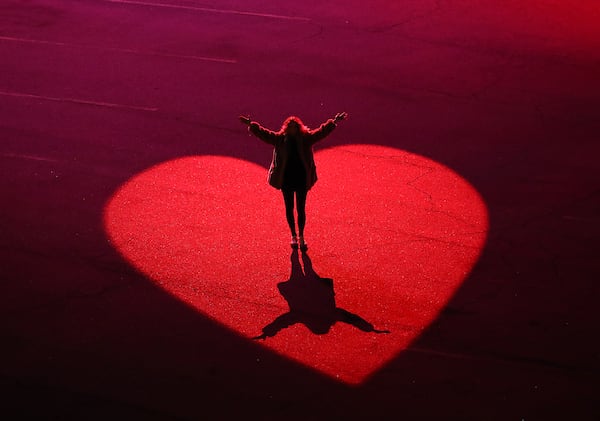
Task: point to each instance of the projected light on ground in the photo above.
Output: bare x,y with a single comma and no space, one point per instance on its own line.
392,235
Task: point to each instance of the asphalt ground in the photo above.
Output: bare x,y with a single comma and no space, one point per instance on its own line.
95,93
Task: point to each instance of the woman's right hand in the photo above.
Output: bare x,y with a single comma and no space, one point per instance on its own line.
245,119
340,116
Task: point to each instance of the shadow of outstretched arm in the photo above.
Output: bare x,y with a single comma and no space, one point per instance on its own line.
356,321
281,322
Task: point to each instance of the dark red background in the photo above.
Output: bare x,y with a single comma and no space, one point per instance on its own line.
505,93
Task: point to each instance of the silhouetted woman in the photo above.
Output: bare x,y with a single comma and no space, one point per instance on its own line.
293,167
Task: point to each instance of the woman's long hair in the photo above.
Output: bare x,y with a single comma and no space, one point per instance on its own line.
301,126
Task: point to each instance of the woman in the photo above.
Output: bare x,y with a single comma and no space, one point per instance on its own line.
293,168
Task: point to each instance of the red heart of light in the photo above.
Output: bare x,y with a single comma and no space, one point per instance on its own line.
391,236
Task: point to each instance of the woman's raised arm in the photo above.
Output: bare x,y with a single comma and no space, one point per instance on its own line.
259,131
327,127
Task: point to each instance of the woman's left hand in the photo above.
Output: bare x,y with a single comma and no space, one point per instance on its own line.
340,116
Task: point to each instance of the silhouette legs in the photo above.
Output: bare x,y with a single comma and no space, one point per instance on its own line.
288,198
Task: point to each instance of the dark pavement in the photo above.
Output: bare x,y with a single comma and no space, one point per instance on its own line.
92,92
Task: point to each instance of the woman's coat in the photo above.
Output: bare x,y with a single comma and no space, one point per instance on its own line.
280,154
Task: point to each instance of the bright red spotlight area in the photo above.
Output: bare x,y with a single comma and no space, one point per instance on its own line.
391,236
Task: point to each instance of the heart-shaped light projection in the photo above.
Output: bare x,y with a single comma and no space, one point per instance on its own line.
391,234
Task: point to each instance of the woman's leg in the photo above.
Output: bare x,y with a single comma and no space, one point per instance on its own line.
300,207
288,198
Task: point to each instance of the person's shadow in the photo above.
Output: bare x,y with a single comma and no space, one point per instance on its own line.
312,302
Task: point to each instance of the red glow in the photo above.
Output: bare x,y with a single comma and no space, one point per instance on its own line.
397,233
